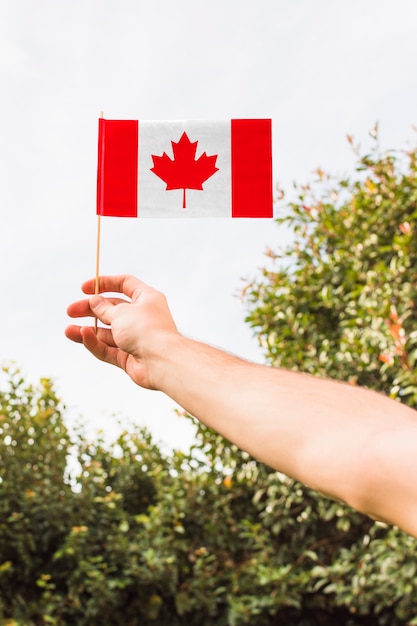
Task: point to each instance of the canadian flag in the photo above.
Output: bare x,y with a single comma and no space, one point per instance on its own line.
185,168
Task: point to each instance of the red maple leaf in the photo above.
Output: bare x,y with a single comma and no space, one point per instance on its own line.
184,171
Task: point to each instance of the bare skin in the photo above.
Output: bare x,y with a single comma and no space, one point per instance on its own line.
349,443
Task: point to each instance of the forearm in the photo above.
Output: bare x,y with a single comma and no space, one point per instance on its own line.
321,432
349,443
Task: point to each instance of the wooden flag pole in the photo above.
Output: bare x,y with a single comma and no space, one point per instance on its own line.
96,283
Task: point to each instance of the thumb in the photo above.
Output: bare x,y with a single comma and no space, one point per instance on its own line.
101,308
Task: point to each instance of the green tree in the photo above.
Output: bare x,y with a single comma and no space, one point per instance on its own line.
341,300
134,537
34,492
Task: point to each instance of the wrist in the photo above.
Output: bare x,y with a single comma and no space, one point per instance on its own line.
165,360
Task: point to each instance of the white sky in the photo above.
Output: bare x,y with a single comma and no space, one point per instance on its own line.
320,70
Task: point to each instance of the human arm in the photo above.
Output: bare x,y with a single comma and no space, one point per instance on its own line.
349,443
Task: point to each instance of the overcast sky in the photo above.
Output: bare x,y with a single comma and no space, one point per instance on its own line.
320,70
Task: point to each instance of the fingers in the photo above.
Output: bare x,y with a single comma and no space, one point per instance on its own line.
100,307
77,333
102,350
123,283
74,333
82,308
99,343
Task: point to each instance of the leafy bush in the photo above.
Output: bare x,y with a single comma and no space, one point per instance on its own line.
210,537
342,299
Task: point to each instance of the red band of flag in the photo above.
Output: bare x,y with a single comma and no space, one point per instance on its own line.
251,168
117,172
